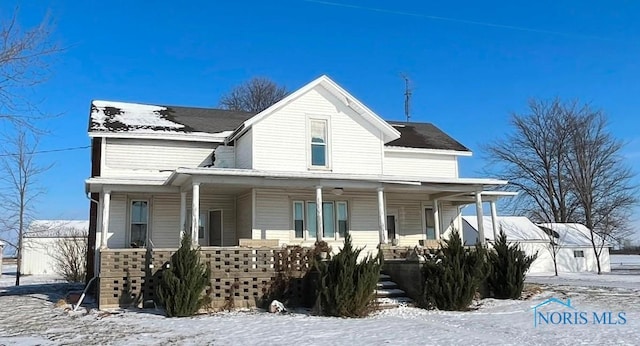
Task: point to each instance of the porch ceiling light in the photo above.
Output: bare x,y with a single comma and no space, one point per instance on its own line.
337,191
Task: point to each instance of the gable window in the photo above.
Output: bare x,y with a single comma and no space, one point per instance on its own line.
578,253
139,223
318,133
430,223
334,219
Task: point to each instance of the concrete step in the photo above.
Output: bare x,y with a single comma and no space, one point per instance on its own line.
391,292
386,284
385,277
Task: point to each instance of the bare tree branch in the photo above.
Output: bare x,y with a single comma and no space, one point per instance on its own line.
568,168
255,95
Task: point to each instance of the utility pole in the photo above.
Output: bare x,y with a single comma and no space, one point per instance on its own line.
407,97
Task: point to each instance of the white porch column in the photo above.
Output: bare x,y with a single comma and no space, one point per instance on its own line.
436,218
195,213
106,202
480,218
183,214
319,228
494,219
382,217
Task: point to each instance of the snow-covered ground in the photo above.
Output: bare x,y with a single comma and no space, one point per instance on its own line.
28,316
625,262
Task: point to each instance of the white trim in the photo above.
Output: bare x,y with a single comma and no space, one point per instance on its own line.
106,202
168,135
130,201
382,217
480,217
103,155
324,81
338,176
319,219
394,149
183,214
436,219
195,213
327,145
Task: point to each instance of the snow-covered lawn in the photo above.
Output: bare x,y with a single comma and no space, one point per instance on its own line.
28,316
625,262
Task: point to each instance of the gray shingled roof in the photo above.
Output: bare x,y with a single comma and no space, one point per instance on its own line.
109,116
424,136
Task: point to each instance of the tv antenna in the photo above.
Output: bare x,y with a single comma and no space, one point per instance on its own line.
407,97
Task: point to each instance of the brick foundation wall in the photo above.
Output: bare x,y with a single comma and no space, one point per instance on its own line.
240,277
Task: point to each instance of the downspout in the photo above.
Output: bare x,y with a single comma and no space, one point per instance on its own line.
96,274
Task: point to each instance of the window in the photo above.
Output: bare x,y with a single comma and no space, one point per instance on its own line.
298,219
342,219
139,223
430,223
578,253
335,219
318,129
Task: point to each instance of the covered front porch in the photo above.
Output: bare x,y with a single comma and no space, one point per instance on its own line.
231,207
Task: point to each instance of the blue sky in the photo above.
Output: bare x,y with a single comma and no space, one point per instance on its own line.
471,64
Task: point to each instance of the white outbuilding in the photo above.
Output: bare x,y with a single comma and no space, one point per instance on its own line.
573,249
42,239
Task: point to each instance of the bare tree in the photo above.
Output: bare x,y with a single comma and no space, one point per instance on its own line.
568,168
25,60
19,190
69,255
254,95
531,158
600,180
556,243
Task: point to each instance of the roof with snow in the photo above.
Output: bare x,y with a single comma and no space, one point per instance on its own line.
516,228
111,116
57,228
572,234
424,136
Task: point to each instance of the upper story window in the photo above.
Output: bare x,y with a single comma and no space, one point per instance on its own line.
319,145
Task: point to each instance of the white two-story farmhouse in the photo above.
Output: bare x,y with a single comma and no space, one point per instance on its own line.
315,166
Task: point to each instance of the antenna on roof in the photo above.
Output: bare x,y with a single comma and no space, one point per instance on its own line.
407,96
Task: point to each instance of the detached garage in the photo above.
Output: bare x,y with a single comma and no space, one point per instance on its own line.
574,251
42,239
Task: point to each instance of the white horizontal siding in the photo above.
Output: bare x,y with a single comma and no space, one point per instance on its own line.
117,221
244,150
409,218
420,165
154,154
37,256
281,139
244,214
364,223
273,219
225,157
165,221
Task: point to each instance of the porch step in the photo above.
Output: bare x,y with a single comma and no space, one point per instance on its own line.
388,295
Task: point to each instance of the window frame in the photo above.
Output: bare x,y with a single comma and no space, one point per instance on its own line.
327,144
578,253
306,234
131,222
425,223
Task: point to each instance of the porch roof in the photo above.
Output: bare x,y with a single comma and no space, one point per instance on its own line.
455,189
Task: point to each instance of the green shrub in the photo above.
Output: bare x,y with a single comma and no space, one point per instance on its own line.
183,282
453,275
507,268
347,286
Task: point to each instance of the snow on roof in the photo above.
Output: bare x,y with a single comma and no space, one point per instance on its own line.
109,114
572,234
57,228
517,228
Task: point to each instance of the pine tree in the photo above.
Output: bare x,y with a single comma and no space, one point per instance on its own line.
453,275
347,286
183,282
508,266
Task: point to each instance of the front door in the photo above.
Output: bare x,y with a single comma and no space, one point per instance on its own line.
215,228
391,228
